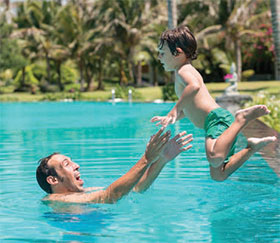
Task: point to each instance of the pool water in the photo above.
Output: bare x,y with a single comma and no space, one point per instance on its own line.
183,204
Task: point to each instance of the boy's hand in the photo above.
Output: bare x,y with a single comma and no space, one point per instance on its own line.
165,120
161,119
175,146
156,145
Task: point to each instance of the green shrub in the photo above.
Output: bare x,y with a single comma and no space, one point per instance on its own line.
62,96
30,81
273,104
122,92
168,92
69,75
39,70
6,82
47,87
72,87
7,89
247,74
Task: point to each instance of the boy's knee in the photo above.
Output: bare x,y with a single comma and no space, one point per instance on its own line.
215,161
218,178
218,174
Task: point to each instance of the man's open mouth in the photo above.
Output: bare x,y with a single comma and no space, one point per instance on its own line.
78,177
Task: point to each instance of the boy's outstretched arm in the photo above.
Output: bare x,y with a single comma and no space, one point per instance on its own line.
192,86
172,149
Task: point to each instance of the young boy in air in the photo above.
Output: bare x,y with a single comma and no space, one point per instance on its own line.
177,48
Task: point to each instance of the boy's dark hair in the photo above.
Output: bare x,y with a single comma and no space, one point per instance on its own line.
180,37
43,171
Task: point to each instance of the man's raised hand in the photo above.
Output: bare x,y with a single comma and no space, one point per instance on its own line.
176,145
156,145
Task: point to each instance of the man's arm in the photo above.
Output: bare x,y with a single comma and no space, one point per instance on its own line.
89,189
172,149
124,184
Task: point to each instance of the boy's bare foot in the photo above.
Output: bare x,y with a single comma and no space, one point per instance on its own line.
258,143
251,113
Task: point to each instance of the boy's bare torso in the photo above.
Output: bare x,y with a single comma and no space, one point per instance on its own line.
199,105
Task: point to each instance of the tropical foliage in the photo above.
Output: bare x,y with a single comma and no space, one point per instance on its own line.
47,46
273,104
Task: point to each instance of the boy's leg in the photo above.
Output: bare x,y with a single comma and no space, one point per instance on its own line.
226,169
218,149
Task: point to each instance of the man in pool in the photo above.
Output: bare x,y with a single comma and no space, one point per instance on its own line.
59,176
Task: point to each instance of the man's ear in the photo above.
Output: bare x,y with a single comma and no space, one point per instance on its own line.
52,180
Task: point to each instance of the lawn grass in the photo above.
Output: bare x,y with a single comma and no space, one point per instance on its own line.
249,88
150,94
20,97
147,94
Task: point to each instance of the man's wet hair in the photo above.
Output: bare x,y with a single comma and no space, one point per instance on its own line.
180,37
43,171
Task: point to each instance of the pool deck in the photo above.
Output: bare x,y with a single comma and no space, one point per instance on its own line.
271,153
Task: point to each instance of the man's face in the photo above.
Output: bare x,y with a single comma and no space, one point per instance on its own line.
68,173
166,58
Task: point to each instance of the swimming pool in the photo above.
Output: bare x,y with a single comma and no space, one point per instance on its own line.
183,205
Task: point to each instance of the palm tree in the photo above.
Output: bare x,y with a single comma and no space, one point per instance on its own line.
29,53
77,29
128,22
238,23
27,19
35,22
275,19
172,14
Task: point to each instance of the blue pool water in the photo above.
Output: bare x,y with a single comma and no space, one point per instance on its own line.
183,205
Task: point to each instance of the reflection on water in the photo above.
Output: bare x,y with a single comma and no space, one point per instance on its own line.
79,222
271,153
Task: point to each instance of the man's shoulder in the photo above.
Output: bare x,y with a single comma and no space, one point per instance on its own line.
93,196
91,189
64,197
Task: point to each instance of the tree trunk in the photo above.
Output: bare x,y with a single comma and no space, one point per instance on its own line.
123,78
82,81
237,48
58,70
131,66
22,79
229,6
48,67
88,78
100,76
120,72
139,74
275,19
172,14
133,72
172,21
7,2
155,76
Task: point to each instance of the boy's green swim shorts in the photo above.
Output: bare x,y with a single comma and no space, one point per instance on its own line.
216,122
